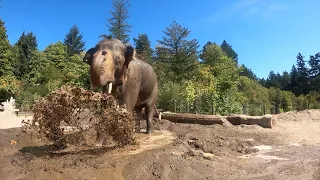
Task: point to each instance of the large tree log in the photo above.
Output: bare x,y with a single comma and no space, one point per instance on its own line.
192,118
266,121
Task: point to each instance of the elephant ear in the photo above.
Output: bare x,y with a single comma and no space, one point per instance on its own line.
128,54
88,57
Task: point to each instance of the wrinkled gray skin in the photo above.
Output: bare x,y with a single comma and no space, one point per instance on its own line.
113,62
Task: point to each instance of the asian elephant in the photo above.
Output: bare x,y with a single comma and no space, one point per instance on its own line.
113,65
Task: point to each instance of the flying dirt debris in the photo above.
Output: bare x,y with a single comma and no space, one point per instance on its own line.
75,116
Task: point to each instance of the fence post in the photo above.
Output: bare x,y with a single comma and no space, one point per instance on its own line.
175,106
187,106
212,107
244,108
264,109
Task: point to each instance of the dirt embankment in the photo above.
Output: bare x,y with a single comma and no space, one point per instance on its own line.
178,151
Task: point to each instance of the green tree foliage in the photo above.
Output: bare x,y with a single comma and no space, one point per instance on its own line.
314,72
226,74
254,96
73,41
9,86
6,61
203,54
223,67
76,72
57,53
273,80
117,23
244,71
37,64
179,52
143,47
303,76
26,44
226,48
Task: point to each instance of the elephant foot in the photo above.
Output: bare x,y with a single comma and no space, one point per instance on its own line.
149,132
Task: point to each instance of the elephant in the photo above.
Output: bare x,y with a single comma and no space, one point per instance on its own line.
114,66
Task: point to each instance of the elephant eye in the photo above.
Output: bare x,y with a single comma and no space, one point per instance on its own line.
104,52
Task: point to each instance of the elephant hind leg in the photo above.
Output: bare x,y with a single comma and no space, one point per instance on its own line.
138,110
149,116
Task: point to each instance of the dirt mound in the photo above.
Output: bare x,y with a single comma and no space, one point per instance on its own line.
305,115
79,117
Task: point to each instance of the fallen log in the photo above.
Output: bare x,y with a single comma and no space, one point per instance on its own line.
192,118
266,121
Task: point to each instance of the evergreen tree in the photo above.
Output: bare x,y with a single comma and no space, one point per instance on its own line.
285,81
143,47
303,76
118,25
6,64
273,80
175,40
263,82
244,71
226,48
203,55
178,51
26,44
314,72
73,41
314,63
294,81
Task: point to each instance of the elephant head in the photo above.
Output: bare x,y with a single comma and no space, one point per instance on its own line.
108,61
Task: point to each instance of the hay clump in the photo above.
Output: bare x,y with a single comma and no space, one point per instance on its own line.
77,116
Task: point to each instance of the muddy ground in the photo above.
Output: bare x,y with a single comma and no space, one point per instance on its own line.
178,151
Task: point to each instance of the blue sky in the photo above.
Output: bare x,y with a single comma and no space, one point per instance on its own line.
266,34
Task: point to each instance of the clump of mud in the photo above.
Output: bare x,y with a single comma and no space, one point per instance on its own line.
75,116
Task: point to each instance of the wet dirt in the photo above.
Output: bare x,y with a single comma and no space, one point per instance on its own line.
291,150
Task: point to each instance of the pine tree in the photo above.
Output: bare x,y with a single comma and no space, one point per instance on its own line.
273,80
285,81
6,64
226,48
314,72
143,47
118,25
203,54
294,81
244,71
303,75
314,63
73,41
179,52
26,44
